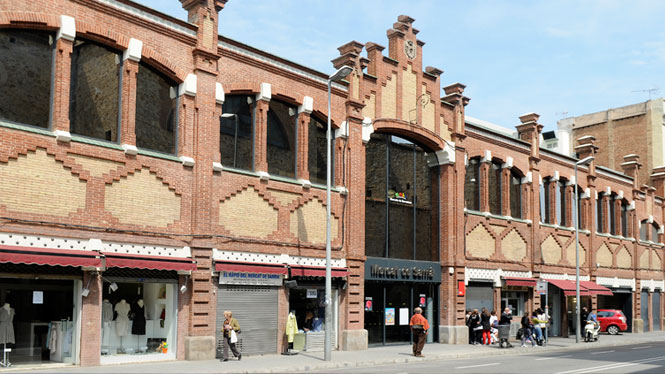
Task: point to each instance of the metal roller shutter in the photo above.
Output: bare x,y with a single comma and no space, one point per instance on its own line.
644,303
479,295
255,308
655,309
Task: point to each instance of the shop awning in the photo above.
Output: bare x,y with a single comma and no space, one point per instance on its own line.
568,287
132,261
245,267
48,256
596,289
316,271
527,282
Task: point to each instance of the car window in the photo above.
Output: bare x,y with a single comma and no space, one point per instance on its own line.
604,314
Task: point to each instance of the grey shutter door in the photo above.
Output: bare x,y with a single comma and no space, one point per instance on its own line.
644,303
479,295
655,309
255,308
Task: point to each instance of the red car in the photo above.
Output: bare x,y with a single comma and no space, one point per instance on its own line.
612,320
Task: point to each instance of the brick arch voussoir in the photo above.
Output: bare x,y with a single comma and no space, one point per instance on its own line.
231,88
101,35
418,134
29,20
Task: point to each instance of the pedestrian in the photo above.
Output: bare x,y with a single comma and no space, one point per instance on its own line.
485,323
536,327
527,334
466,322
475,327
419,327
494,322
231,330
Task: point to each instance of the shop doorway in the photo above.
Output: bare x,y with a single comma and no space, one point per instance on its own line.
389,307
255,308
554,303
585,301
655,309
644,304
307,302
622,300
41,315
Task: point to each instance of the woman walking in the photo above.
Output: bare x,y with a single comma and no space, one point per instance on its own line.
231,329
485,323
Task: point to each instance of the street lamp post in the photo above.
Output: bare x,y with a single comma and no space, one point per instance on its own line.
578,326
235,134
340,74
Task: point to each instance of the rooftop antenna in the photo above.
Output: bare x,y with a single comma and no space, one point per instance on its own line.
649,90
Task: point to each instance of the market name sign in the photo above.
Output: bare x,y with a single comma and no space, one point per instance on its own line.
402,270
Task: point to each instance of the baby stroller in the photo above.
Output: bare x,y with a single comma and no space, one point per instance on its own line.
504,335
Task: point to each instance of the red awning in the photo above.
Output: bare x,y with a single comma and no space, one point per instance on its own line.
528,282
48,256
596,289
568,287
316,271
132,261
245,267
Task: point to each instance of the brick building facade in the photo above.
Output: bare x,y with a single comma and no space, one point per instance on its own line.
144,157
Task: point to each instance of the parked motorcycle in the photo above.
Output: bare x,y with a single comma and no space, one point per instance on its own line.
591,331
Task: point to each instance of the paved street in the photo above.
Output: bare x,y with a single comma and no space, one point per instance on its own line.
642,358
623,353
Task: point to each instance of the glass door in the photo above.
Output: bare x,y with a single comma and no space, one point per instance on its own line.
424,296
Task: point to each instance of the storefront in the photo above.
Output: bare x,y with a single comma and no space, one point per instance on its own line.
139,312
393,289
261,290
40,299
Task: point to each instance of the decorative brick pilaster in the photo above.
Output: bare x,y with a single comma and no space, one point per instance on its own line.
130,70
261,136
302,168
91,320
63,66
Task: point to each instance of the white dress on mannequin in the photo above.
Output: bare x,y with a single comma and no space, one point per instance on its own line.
122,321
6,324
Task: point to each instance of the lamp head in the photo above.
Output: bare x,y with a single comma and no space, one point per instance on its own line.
585,161
340,74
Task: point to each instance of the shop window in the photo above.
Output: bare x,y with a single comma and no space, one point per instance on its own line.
308,305
156,111
514,300
316,151
472,184
400,224
515,194
281,139
236,129
495,188
94,91
25,76
138,318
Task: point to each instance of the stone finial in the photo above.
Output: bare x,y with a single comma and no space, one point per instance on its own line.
351,47
529,131
455,88
529,117
405,19
658,180
631,166
434,71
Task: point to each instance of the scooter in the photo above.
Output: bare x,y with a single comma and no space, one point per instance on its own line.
591,331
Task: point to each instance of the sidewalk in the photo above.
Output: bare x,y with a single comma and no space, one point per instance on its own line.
304,361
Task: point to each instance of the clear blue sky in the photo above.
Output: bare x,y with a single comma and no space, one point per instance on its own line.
555,58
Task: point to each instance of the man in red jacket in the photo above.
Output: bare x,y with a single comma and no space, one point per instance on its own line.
419,327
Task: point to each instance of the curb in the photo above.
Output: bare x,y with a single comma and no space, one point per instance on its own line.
435,357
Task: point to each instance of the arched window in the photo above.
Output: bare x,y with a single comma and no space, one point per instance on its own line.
624,218
472,184
236,130
546,200
495,188
601,204
95,91
612,214
654,232
316,151
25,76
515,194
401,193
281,150
577,214
156,111
644,230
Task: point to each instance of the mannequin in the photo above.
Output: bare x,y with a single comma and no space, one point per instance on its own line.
6,331
107,311
291,331
138,323
122,320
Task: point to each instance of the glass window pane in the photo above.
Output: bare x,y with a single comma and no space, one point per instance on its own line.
376,165
654,232
426,195
316,152
401,193
236,140
25,84
94,91
494,185
515,196
644,228
156,111
599,213
543,202
624,219
282,139
472,185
